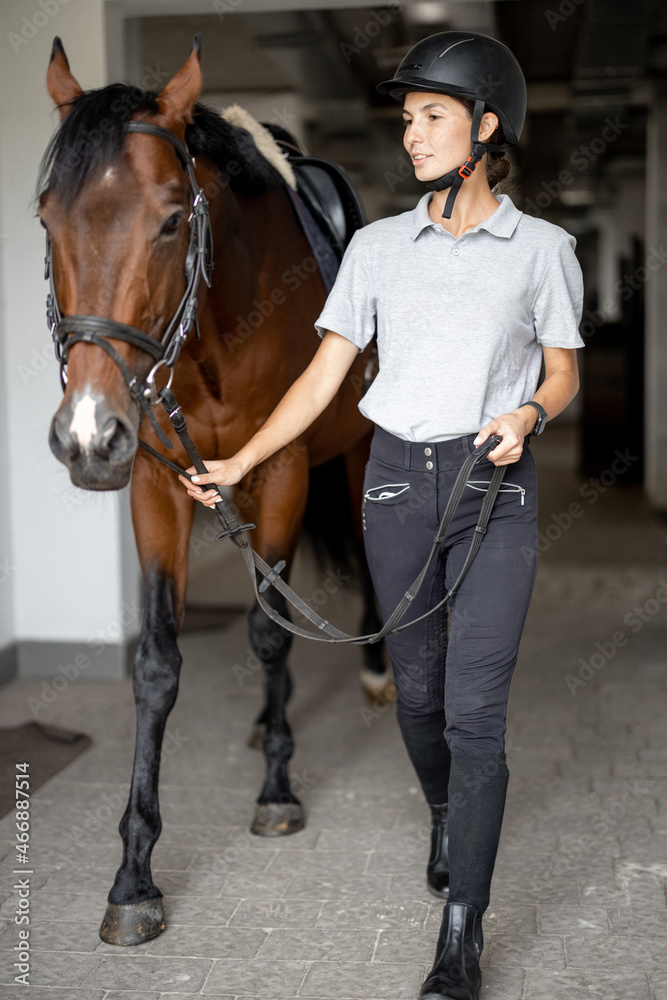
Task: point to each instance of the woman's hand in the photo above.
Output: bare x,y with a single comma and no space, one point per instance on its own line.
513,428
225,472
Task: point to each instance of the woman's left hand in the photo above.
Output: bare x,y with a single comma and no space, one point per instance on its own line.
513,428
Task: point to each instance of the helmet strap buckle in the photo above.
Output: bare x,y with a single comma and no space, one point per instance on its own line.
465,170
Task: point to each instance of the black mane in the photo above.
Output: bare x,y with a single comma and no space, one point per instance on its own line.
91,138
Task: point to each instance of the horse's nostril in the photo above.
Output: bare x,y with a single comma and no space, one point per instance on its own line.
116,439
63,444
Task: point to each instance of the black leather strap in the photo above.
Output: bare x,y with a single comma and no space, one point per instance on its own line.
271,574
148,128
91,328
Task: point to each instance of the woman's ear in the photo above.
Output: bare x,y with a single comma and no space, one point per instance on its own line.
488,126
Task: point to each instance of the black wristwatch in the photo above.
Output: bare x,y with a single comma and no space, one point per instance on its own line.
541,417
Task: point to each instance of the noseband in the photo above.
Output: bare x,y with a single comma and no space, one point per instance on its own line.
99,330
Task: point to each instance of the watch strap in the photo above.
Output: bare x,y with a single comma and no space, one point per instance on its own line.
541,416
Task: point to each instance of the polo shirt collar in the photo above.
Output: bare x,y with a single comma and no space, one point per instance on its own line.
502,222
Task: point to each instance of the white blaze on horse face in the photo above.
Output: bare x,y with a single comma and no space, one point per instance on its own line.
84,425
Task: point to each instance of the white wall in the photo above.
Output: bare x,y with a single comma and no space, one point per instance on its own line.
72,569
6,555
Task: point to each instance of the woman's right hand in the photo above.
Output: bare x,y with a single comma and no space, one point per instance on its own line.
225,472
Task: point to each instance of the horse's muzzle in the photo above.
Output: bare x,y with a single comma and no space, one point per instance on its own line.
95,443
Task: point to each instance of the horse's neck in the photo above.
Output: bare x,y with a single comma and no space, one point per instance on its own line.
254,236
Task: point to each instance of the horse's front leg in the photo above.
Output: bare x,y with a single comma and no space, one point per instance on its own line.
277,500
162,522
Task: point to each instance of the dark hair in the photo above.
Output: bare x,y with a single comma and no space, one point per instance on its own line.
498,164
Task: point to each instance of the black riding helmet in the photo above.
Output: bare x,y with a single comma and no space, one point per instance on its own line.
465,64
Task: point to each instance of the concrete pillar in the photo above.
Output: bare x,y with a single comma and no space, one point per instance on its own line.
73,589
656,298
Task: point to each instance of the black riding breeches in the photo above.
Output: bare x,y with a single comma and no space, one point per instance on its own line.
461,662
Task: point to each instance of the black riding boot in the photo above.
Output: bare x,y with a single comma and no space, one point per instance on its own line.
455,974
437,870
477,791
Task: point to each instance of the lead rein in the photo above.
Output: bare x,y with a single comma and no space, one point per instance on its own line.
254,562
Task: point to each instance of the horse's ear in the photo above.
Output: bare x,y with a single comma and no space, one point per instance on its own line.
61,85
180,95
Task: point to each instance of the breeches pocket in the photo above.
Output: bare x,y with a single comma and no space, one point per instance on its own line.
382,489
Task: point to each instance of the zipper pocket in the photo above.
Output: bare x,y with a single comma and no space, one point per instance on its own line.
389,491
476,484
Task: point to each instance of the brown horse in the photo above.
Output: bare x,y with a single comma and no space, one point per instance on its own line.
116,206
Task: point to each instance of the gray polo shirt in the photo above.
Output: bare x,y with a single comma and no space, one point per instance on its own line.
460,322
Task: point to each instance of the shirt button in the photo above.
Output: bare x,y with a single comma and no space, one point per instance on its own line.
427,451
429,465
456,250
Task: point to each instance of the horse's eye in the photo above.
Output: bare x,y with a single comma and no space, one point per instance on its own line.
172,224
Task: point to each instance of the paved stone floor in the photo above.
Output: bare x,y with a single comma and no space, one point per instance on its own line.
340,910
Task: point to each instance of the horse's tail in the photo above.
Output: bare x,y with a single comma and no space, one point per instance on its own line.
328,526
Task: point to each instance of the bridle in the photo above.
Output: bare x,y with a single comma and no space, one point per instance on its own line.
99,330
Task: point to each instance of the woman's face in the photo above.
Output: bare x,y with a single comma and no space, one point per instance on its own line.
437,133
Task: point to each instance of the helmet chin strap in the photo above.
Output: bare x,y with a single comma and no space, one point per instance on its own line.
455,178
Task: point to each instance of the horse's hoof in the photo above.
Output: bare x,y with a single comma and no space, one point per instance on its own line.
378,687
132,923
256,738
278,819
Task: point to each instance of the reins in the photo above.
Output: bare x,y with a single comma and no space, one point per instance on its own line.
328,632
98,330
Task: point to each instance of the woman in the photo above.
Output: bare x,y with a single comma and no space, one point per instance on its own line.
468,295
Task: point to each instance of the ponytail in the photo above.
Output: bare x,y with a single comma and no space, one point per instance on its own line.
498,164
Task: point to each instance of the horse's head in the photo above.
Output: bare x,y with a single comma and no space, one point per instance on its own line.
116,206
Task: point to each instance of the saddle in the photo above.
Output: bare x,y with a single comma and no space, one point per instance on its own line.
329,198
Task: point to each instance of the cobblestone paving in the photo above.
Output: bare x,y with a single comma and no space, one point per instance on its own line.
340,910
